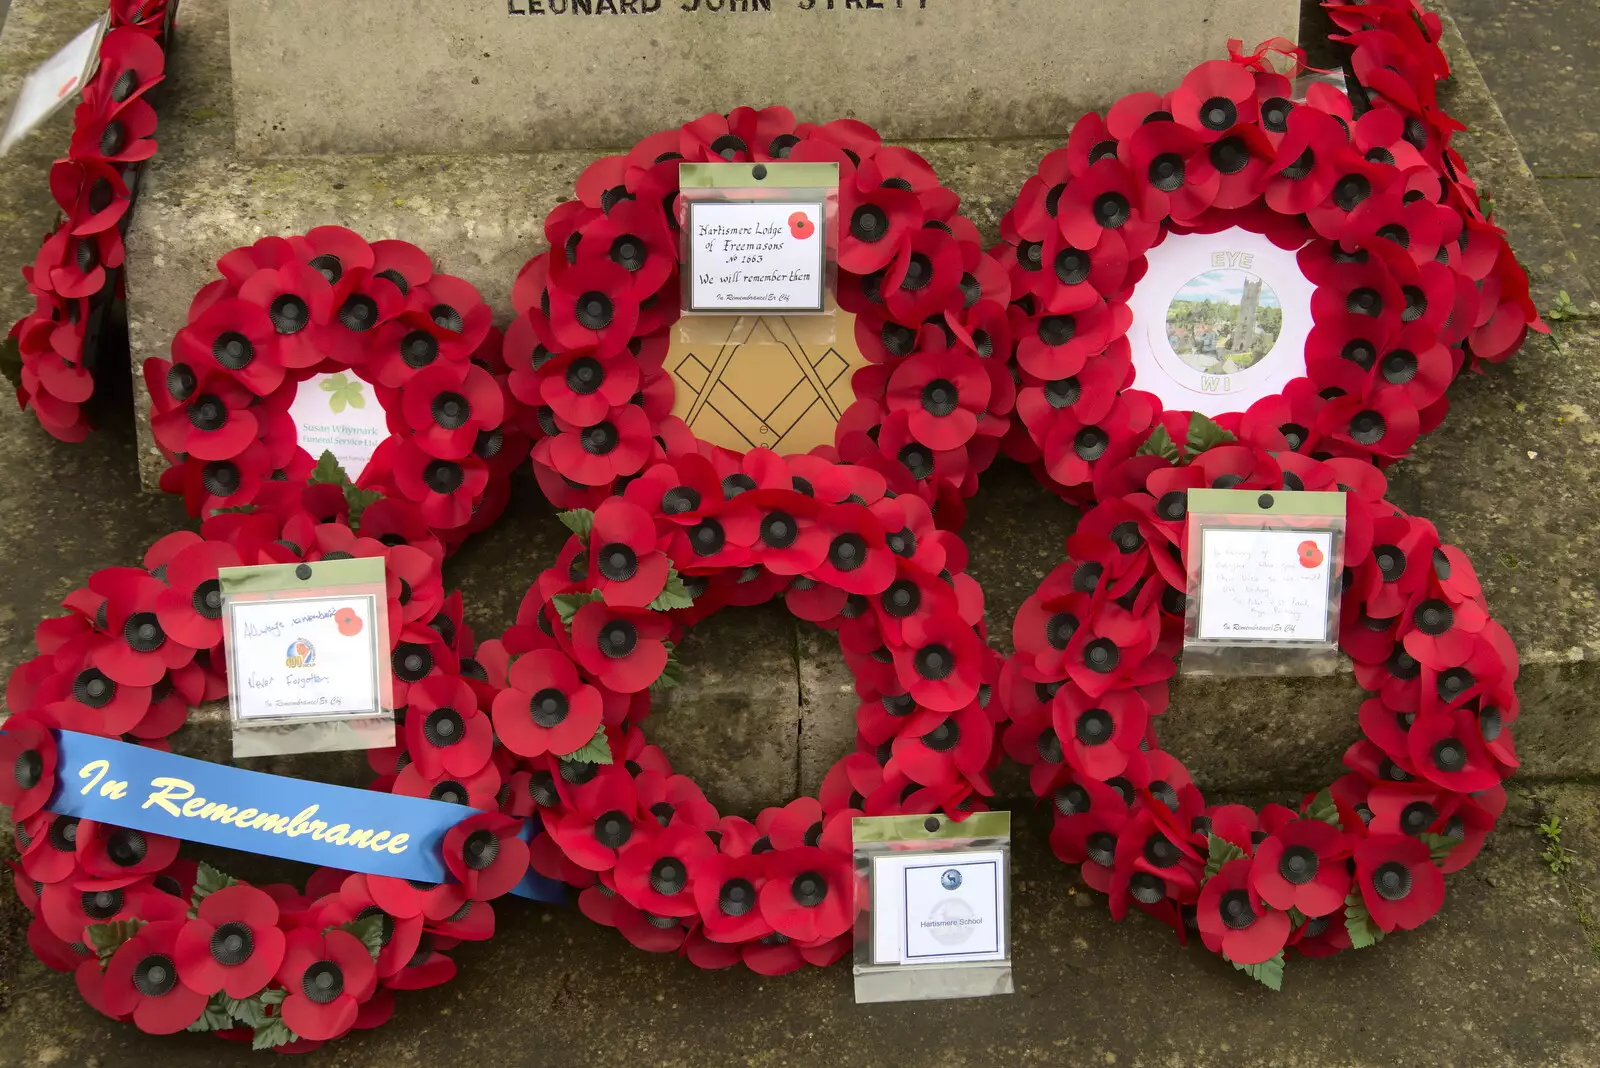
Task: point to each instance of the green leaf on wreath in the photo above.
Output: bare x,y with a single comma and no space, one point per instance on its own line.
1218,852
1297,919
251,1012
11,361
1439,845
1204,434
370,931
1322,808
567,604
674,595
672,674
104,938
273,1032
1159,443
580,521
1358,921
358,500
596,751
328,471
218,1015
207,881
1268,973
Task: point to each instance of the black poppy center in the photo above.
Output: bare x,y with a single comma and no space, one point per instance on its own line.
232,944
919,272
143,632
1360,352
1298,865
618,638
443,476
1391,562
1218,113
289,314
902,598
600,439
1057,329
680,499
629,252
613,829
451,410
1434,617
155,975
939,397
1236,910
934,662
618,562
1367,427
847,552
1166,172
1094,727
1399,367
126,848
1392,881
232,350
1364,300
737,897
668,876
29,768
944,737
1091,443
1351,190
113,138
1111,210
548,707
322,982
418,349
595,310
869,223
1450,755
809,889
779,530
1230,155
1101,655
585,375
1302,166
707,538
480,849
443,727
360,312
917,459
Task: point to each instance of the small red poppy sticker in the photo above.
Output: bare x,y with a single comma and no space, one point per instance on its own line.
348,622
1310,555
801,226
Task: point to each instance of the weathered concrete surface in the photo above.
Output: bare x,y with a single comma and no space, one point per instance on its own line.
1502,977
528,75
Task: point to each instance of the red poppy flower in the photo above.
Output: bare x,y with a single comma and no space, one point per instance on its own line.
115,132
214,423
234,945
858,559
808,895
1215,97
1302,866
295,297
547,707
938,748
234,335
1235,921
1305,170
327,975
445,733
1106,198
621,648
142,981
656,871
1099,733
1158,154
135,650
597,454
486,855
29,752
600,820
726,891
625,565
190,608
945,392
92,193
940,665
108,852
448,405
445,490
1399,883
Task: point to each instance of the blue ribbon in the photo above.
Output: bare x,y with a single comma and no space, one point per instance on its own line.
339,827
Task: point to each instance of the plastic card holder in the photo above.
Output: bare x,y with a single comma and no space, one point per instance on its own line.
1265,571
308,657
936,919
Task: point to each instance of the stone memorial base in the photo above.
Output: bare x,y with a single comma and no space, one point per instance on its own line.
769,705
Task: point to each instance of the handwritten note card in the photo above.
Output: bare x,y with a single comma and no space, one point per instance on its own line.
1264,585
53,83
305,656
756,256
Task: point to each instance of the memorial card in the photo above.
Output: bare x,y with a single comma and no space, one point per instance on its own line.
938,908
757,257
53,82
1264,576
308,656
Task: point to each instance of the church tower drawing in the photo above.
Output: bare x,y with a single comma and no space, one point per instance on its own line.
1244,324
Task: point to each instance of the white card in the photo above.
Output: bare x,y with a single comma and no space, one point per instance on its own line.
756,256
1264,585
52,83
1219,321
339,413
939,908
304,656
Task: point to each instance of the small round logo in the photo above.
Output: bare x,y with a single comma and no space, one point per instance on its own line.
300,653
950,880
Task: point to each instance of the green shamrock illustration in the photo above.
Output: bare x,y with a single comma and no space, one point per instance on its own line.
344,391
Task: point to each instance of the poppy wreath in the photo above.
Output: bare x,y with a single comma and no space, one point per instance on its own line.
594,639
174,945
1096,646
330,303
1413,281
593,314
78,267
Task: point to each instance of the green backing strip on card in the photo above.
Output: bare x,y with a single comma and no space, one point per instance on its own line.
743,176
272,578
913,828
1277,502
